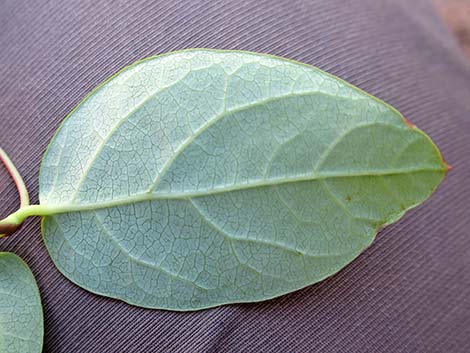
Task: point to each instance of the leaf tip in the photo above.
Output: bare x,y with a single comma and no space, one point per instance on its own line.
447,166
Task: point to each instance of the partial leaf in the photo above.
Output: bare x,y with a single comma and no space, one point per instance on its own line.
206,177
21,318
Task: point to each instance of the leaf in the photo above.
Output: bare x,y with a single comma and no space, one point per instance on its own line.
21,319
206,177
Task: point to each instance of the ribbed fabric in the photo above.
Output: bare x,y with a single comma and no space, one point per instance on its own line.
409,292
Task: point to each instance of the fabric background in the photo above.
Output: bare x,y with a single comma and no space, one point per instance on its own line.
409,292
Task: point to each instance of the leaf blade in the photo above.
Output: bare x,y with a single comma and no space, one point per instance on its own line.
226,147
21,318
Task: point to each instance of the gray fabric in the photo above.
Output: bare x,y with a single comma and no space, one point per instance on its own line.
409,292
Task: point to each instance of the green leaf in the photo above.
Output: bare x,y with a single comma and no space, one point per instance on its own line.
206,177
21,320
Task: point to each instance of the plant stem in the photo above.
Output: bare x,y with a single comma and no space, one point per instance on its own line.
10,224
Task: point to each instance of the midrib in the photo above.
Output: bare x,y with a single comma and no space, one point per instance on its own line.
47,210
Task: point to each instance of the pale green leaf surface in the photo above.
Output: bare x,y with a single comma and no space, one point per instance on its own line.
21,318
206,177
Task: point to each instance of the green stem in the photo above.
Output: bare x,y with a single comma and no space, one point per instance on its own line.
12,223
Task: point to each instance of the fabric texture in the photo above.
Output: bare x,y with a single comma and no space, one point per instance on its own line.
409,292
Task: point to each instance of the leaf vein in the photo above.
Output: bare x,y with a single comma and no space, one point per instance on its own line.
140,261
